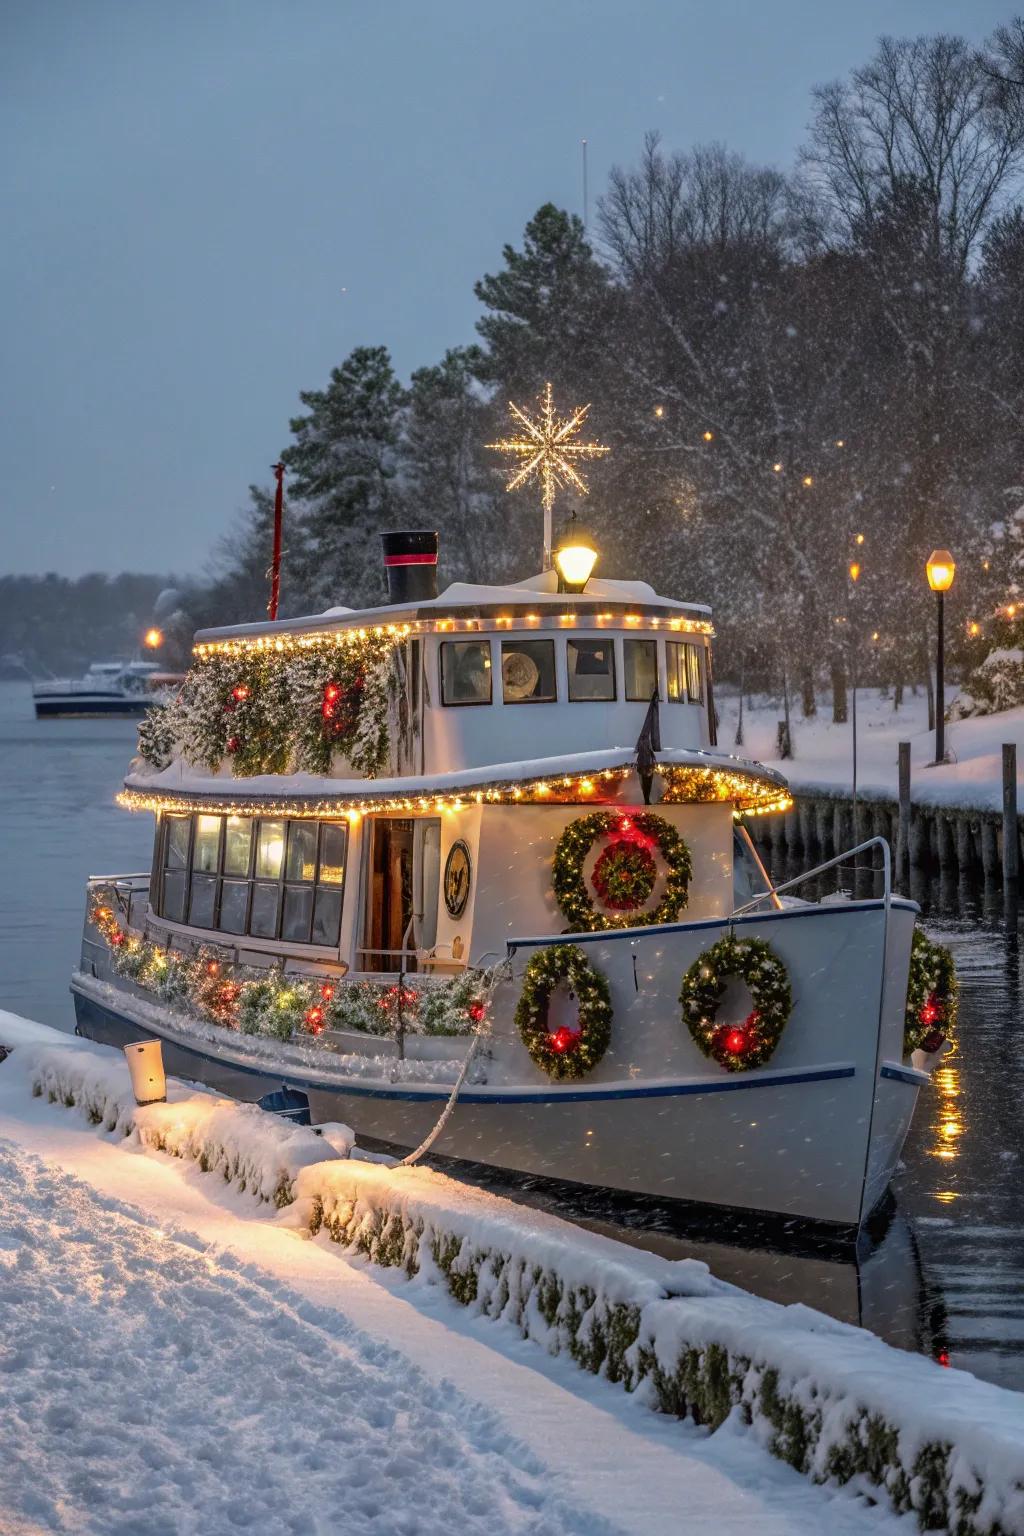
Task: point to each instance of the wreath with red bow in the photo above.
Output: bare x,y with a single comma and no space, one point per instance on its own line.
626,871
750,1042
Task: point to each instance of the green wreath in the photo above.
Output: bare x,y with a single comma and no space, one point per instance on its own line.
932,995
564,1052
637,828
752,1042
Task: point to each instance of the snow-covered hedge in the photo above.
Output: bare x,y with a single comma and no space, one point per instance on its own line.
995,685
833,1401
258,1152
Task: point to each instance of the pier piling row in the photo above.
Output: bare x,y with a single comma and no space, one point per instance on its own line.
924,837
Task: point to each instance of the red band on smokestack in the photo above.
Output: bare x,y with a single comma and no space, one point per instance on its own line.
410,560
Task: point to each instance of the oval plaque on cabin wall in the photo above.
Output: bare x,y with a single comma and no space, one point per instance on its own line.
458,874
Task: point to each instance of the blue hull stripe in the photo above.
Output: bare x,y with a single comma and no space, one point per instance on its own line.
354,1089
905,1075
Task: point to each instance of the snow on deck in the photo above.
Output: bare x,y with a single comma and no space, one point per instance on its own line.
823,751
173,1362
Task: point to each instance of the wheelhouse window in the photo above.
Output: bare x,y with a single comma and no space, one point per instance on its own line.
272,879
591,670
640,658
528,671
466,672
685,679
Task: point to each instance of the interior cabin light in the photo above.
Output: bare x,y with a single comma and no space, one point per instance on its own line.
941,568
575,558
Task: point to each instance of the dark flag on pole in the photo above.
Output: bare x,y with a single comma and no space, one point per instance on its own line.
648,743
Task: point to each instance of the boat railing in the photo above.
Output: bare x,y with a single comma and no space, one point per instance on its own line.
820,869
130,893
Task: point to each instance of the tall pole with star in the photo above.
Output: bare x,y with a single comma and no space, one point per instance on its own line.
547,452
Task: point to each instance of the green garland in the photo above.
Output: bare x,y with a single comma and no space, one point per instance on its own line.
932,994
257,1002
269,712
648,831
564,1053
752,1042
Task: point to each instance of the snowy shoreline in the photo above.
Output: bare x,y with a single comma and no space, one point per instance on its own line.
822,761
831,1400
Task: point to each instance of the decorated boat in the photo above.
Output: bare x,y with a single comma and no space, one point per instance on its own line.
473,866
123,689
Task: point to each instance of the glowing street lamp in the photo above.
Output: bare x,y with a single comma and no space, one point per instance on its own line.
940,569
575,557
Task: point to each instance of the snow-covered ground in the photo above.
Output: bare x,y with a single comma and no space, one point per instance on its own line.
823,751
174,1361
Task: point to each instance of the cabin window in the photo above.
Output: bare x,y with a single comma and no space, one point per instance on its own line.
640,659
174,885
592,670
269,879
466,671
684,673
528,671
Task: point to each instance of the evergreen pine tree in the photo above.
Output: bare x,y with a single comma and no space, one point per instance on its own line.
344,467
449,475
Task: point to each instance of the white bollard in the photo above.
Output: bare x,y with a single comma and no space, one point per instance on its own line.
146,1065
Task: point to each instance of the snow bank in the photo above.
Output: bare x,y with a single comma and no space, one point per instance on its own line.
257,1151
832,1401
972,780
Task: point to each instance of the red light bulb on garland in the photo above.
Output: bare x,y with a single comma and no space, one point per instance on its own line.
332,693
564,1039
117,938
327,991
212,967
240,692
476,1012
931,1011
233,743
735,1041
314,1020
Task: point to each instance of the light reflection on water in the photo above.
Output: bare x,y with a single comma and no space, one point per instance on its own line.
945,1272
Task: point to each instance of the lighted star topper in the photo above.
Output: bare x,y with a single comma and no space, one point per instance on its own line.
547,450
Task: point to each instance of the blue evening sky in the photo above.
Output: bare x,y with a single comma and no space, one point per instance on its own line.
207,203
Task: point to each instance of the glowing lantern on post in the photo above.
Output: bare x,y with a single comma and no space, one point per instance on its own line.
575,558
940,569
146,1066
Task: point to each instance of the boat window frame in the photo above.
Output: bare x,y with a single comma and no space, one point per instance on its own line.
640,698
282,882
570,676
483,642
688,675
529,639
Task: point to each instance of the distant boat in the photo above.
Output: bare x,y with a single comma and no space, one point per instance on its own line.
118,688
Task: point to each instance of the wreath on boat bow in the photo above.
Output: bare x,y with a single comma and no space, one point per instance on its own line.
932,995
564,1052
752,1041
626,871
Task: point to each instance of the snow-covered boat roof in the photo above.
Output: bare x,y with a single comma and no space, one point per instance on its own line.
688,775
467,600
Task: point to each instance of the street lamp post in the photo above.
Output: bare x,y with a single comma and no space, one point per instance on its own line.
940,568
854,573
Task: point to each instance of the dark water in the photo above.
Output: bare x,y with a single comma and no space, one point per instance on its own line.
942,1269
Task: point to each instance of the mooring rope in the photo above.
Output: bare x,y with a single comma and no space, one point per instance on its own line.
500,972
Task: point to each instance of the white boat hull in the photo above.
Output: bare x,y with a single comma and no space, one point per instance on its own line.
816,1134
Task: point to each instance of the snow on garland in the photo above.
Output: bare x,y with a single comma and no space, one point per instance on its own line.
564,1052
625,873
932,995
752,1042
269,712
271,1004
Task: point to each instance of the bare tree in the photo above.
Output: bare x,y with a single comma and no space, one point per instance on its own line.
922,112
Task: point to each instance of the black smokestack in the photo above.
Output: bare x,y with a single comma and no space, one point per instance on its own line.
410,559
